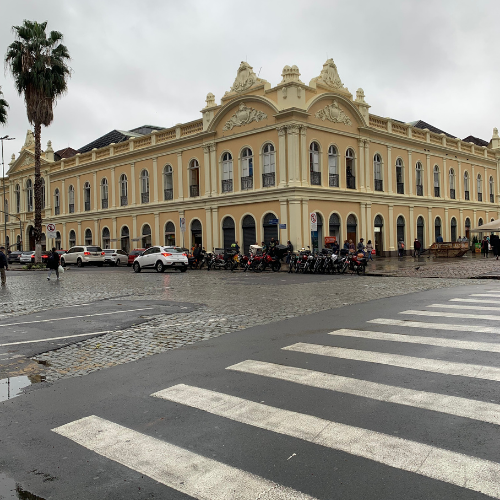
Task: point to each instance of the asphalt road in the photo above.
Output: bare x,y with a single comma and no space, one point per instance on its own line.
282,411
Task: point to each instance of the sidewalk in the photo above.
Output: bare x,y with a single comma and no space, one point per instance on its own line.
466,267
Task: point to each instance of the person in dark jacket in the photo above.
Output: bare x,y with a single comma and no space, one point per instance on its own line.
53,263
485,247
4,265
335,247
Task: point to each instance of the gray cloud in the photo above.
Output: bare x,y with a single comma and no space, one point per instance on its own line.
136,63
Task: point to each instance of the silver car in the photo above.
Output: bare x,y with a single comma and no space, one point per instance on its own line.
162,258
83,255
26,257
115,256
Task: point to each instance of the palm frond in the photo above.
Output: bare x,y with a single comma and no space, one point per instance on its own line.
3,109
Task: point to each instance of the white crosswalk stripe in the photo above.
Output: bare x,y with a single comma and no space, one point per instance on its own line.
435,326
462,407
477,301
455,468
475,307
485,295
421,364
413,339
200,477
445,314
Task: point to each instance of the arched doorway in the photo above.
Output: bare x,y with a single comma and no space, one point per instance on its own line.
453,229
352,228
270,230
19,246
58,240
378,226
106,238
30,231
228,232
334,227
249,236
196,233
437,228
317,241
170,234
467,228
125,239
72,239
400,229
43,241
88,237
421,231
146,236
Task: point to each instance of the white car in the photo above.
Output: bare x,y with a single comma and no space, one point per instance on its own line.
26,257
84,255
162,258
115,256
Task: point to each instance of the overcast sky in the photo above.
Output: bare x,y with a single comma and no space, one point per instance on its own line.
138,63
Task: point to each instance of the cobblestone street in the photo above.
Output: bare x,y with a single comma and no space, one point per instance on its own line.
228,302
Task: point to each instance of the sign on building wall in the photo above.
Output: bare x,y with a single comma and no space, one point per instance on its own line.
314,221
51,231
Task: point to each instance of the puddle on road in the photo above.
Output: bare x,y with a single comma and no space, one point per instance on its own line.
10,490
11,387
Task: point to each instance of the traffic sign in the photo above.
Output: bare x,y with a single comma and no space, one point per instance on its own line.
314,221
51,231
282,226
273,222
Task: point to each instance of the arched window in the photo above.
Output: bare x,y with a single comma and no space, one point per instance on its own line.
57,202
104,193
18,198
125,239
453,227
58,240
400,224
419,179
467,228
314,167
88,237
194,178
106,238
144,186
170,234
480,221
249,235
466,185
479,188
437,228
228,231
227,173
350,171
18,244
168,183
42,191
246,169
86,196
452,184
72,238
269,161
377,173
437,193
334,226
29,195
71,199
123,191
333,167
400,178
492,195
270,230
196,232
146,236
352,227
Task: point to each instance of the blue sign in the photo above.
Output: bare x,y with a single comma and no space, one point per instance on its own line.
282,226
273,222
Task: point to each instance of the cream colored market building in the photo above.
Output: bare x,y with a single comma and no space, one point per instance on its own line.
263,153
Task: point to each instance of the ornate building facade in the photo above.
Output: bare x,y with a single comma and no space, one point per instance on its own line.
263,153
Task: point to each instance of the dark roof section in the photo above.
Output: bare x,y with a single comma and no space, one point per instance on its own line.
421,124
65,153
476,141
145,129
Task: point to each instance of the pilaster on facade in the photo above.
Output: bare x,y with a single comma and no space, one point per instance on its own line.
114,236
96,233
207,167
473,187
370,235
216,241
412,223
210,229
430,177
213,169
283,233
134,226
446,178
63,198
474,222
306,226
293,155
64,234
156,185
390,170
133,183
282,156
180,175
459,195
368,166
95,189
361,168
295,234
447,231
304,164
430,226
159,240
410,174
79,232
392,247
113,188
78,208
461,218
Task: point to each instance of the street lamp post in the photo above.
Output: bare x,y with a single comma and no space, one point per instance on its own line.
5,138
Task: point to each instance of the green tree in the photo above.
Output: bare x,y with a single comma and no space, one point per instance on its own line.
39,66
3,109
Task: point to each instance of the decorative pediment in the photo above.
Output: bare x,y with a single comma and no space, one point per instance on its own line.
334,114
329,77
245,79
244,116
25,159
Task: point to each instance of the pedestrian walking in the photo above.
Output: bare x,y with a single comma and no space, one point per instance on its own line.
346,245
401,247
352,247
53,264
417,246
361,246
289,252
485,247
4,266
369,248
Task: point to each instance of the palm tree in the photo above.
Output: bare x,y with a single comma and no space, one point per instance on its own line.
39,67
3,109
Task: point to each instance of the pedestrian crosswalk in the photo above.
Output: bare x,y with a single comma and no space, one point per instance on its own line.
201,477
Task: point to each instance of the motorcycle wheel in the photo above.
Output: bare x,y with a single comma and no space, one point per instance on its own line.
276,267
344,268
360,270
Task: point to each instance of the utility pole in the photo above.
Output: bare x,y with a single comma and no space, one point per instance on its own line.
5,138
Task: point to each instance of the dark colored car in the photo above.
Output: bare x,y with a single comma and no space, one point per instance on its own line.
13,257
133,254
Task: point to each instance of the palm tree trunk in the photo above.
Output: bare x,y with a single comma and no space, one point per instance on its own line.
38,195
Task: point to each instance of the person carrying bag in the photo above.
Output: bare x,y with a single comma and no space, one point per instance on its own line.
53,264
